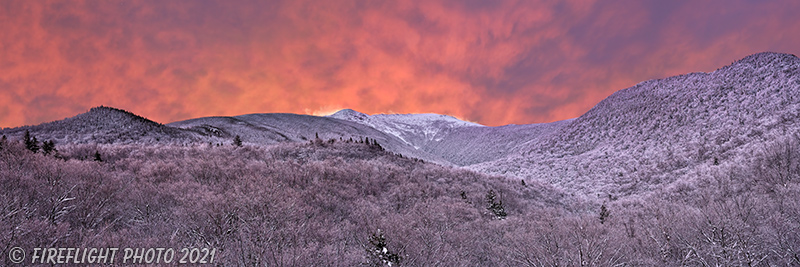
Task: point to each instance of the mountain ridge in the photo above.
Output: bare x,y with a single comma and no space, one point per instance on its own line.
639,137
667,128
413,129
104,125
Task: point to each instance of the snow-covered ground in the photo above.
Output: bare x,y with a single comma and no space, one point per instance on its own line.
413,129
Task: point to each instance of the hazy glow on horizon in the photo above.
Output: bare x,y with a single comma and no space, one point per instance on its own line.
491,62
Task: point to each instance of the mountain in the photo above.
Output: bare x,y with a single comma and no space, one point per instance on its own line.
652,136
459,142
281,127
661,131
472,145
414,129
104,125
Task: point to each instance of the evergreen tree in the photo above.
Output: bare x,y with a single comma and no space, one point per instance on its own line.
30,142
375,144
34,145
48,147
97,156
495,205
237,141
604,213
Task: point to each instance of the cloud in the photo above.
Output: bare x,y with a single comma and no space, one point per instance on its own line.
494,62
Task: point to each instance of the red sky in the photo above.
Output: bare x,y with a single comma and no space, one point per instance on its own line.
492,62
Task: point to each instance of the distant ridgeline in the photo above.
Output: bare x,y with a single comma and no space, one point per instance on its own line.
651,133
104,125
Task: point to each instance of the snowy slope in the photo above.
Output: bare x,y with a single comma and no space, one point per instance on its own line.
466,146
104,125
282,127
459,142
413,129
661,131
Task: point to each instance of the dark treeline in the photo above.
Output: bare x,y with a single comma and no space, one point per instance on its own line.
347,204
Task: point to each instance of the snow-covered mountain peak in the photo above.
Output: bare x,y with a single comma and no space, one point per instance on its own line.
114,116
349,115
102,125
414,129
419,119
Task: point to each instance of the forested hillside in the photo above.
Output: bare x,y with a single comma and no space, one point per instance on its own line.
658,132
345,204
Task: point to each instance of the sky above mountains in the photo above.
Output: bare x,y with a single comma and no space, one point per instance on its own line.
491,62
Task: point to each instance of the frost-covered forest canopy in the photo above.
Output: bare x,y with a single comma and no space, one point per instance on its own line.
332,204
700,169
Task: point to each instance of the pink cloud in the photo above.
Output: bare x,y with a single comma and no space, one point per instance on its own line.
494,63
